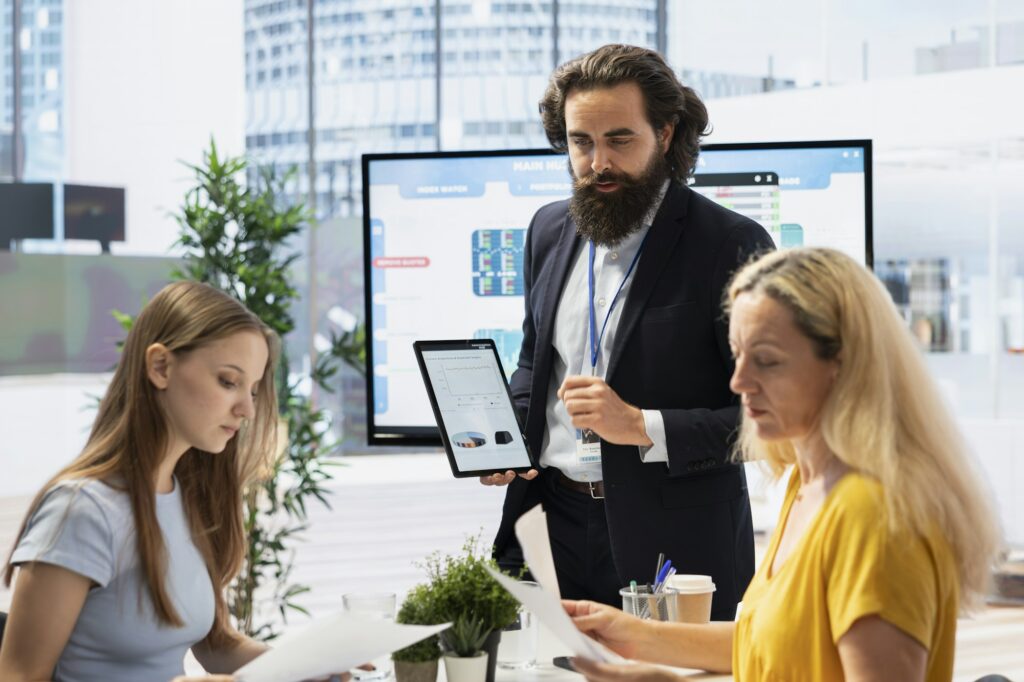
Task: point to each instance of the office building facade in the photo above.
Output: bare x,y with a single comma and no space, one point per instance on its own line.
384,82
41,39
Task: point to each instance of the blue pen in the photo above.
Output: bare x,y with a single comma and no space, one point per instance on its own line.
661,575
671,572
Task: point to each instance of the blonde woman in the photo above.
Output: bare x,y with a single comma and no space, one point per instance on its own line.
124,555
885,532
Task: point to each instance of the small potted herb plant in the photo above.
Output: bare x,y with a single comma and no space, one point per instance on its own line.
418,662
459,588
464,660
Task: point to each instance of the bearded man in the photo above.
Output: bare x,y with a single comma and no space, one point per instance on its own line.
624,337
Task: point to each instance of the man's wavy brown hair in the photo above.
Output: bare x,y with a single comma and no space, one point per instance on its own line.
666,99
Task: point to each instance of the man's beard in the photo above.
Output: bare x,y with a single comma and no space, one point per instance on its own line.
608,218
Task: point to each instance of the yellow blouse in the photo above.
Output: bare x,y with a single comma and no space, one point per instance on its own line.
846,566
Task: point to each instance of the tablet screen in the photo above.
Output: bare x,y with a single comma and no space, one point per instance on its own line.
473,407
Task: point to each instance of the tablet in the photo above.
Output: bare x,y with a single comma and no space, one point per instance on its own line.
473,407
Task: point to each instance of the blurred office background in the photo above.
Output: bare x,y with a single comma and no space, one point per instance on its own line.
114,96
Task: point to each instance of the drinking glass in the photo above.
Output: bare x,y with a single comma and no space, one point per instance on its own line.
377,606
517,649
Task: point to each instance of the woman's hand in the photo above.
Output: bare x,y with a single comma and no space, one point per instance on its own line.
620,632
623,672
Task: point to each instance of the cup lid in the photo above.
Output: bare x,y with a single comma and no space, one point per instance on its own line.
691,584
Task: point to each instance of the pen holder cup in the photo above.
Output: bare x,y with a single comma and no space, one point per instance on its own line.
643,604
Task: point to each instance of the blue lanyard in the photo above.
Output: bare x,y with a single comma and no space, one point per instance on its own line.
595,340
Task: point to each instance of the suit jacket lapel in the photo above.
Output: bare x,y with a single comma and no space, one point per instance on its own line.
661,242
564,250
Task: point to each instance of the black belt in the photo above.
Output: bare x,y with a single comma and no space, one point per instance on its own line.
593,488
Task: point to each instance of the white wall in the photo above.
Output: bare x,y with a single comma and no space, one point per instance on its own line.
45,421
939,110
937,193
148,83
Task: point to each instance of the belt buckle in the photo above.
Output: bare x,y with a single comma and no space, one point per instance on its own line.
591,485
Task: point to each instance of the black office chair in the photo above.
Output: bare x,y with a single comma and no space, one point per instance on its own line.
993,678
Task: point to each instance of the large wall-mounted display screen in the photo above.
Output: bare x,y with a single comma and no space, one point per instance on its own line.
444,235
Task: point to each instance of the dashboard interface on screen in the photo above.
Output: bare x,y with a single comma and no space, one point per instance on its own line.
474,406
444,236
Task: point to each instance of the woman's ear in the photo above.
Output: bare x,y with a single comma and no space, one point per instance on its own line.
159,360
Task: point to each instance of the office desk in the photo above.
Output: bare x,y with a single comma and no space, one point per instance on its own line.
991,642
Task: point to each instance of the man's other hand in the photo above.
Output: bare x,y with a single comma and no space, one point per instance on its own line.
592,404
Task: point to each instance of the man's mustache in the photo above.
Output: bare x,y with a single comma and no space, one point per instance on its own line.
604,177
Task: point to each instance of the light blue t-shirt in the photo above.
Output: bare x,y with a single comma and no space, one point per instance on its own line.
87,527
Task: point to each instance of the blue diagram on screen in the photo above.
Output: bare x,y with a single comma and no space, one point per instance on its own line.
498,262
791,235
507,342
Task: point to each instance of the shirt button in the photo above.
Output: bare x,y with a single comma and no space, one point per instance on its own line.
600,302
614,255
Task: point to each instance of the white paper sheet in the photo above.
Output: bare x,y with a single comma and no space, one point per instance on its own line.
548,610
532,533
332,645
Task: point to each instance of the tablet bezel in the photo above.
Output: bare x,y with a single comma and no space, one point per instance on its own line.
457,345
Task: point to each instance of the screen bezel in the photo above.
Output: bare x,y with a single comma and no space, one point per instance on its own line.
429,436
460,345
35,200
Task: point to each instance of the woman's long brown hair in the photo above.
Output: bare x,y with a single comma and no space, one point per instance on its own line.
129,436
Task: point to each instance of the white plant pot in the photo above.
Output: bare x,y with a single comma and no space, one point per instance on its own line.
472,669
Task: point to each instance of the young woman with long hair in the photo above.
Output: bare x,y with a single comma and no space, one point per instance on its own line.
886,532
123,557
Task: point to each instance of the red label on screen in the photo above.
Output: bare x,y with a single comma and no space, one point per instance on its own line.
404,262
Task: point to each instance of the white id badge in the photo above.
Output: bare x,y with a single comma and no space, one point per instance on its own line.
588,446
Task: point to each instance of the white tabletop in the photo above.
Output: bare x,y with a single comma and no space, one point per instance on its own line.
988,643
547,648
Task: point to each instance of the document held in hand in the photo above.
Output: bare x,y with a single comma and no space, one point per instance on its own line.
548,610
332,645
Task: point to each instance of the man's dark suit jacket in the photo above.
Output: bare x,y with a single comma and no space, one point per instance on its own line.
671,353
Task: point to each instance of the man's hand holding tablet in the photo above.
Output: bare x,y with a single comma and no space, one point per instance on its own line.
506,478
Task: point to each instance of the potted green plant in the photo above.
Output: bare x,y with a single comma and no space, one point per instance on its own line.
460,588
464,660
417,663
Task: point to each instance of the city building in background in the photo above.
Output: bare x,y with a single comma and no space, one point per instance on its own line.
970,49
41,39
382,85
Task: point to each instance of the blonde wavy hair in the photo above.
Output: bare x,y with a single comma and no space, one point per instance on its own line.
884,416
128,439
